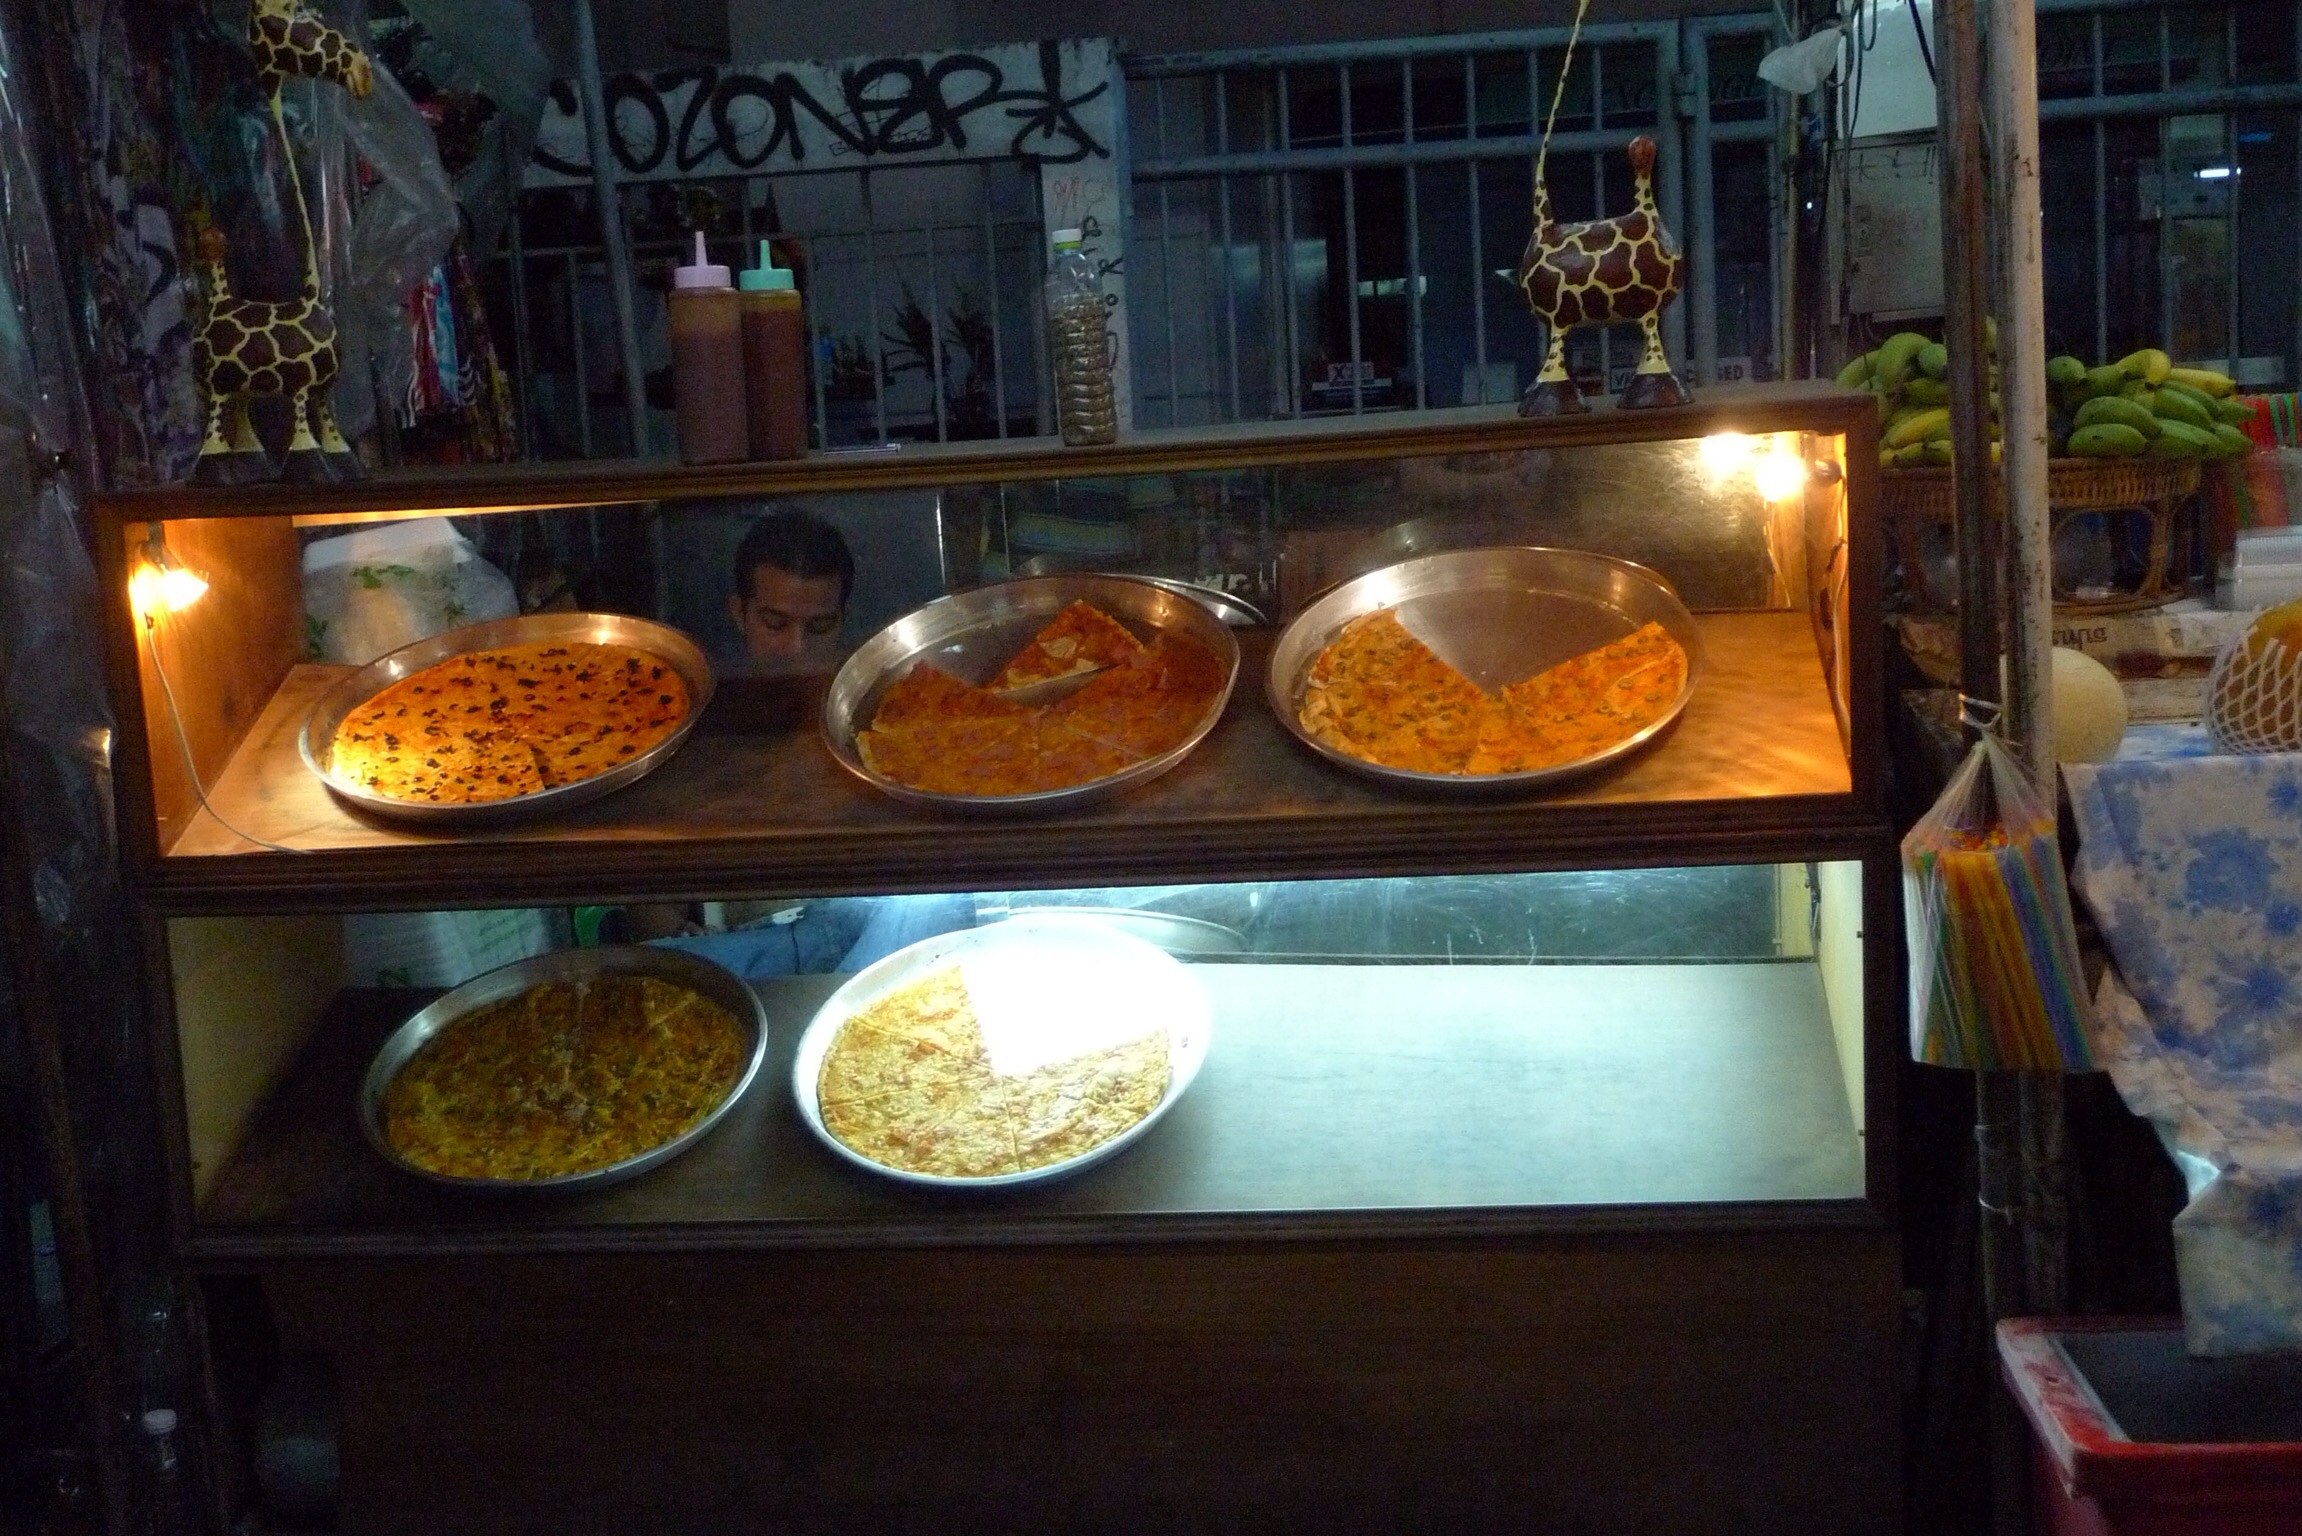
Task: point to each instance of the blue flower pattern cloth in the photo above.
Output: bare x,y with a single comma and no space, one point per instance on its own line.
2192,866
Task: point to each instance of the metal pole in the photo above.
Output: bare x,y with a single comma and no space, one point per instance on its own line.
1966,292
2012,109
1702,295
611,225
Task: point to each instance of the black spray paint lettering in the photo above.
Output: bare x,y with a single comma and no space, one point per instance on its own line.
889,106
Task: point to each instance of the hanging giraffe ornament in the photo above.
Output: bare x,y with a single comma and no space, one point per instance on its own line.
1603,272
246,348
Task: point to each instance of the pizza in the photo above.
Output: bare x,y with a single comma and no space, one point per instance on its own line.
563,1078
1381,695
1082,638
935,733
493,725
907,1083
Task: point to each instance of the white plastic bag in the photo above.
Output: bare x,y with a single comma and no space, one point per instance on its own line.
373,591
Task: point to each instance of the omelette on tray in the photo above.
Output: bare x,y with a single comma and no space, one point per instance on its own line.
935,733
1383,696
908,1083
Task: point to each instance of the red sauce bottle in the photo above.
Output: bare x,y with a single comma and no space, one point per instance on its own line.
707,362
774,359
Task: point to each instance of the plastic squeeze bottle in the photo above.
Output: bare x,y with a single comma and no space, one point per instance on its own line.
1085,407
707,362
774,359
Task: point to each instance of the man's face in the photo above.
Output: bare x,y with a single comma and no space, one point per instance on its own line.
787,618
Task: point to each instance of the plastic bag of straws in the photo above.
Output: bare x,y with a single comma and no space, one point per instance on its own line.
1994,970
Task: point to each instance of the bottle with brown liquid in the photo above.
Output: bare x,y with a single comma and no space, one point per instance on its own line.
707,362
774,359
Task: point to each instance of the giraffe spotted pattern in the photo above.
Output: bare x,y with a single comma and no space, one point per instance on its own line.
1603,272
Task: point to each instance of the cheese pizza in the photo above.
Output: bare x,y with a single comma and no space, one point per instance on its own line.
492,725
907,1083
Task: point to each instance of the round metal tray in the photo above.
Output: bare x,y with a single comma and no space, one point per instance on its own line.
1498,616
355,689
971,635
715,982
1028,976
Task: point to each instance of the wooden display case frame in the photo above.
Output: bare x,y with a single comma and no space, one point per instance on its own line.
1764,770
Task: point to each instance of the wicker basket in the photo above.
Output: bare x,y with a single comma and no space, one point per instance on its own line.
1918,508
2072,485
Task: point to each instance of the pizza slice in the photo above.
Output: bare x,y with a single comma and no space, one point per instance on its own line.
1082,638
1066,756
1150,703
1381,694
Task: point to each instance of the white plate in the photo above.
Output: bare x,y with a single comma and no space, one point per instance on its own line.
1045,991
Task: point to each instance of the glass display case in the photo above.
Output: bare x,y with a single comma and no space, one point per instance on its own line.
1658,998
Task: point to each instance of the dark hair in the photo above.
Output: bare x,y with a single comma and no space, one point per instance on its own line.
796,542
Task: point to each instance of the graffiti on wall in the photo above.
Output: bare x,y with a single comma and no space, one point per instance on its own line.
1045,104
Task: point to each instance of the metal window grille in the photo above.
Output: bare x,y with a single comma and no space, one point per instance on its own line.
924,323
1335,229
2171,161
1312,230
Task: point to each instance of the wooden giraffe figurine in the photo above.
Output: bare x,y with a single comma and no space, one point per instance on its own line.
1602,273
245,348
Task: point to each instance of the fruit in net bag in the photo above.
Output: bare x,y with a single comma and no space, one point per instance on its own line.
2254,697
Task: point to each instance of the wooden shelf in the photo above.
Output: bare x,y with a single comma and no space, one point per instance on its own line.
1755,768
591,482
1662,1096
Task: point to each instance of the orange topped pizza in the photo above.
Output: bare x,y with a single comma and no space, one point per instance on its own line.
1381,695
935,733
1082,638
496,724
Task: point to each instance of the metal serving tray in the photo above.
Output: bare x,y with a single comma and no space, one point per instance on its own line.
715,982
1061,969
350,692
971,635
1498,616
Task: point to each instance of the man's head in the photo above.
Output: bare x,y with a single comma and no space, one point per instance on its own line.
793,576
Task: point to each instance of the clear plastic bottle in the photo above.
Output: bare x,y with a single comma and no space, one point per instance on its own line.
164,1499
1085,406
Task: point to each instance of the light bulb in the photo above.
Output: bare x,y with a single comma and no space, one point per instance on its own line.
180,588
1725,452
159,585
1779,476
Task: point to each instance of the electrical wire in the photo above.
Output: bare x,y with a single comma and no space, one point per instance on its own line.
1925,49
184,745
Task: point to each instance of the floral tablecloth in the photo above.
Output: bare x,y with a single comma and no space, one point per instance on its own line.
2191,864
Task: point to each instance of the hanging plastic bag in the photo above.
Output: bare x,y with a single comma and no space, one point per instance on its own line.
371,592
1994,971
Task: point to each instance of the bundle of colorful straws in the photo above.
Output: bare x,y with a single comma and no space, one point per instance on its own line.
1994,971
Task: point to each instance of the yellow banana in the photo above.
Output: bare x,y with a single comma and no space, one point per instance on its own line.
2206,381
1918,426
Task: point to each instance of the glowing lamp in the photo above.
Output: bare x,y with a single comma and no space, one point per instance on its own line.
159,585
1779,476
1725,452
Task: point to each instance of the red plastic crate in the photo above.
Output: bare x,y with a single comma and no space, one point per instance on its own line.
2095,1479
